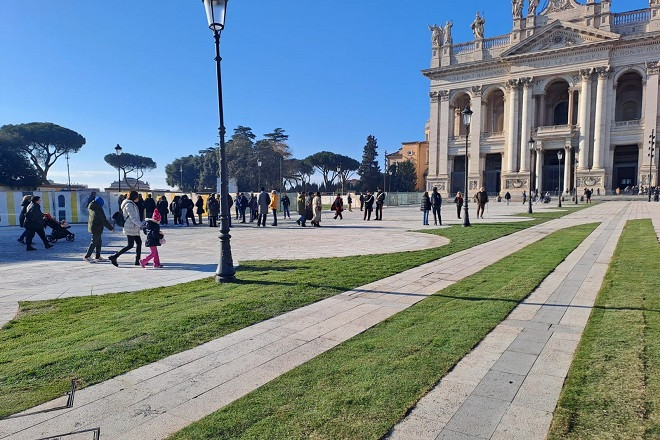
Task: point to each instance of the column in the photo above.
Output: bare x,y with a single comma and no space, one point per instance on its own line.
650,115
539,167
512,126
600,118
584,118
526,130
434,126
443,146
571,105
475,131
566,165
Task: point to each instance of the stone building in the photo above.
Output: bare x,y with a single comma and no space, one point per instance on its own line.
418,153
576,78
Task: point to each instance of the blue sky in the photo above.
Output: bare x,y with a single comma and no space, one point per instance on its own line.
141,74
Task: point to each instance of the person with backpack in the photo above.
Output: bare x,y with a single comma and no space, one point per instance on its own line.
131,228
507,197
436,204
97,221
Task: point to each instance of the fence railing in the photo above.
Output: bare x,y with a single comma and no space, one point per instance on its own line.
631,17
502,40
464,47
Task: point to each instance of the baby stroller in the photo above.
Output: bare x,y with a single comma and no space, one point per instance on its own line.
59,230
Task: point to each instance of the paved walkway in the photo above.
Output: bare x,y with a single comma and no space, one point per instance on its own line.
192,253
161,398
509,385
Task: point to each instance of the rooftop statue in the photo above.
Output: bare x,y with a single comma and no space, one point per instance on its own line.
478,26
517,8
447,33
436,35
533,4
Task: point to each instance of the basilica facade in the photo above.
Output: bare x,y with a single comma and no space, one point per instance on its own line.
575,78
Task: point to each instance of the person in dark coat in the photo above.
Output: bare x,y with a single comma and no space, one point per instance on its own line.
161,206
90,199
302,210
264,203
285,206
458,201
199,204
482,199
338,207
243,204
507,197
34,224
350,202
380,201
436,204
175,209
254,207
21,218
149,206
140,206
213,209
368,206
361,201
425,207
97,221
154,239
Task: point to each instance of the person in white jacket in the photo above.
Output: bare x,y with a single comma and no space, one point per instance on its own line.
132,227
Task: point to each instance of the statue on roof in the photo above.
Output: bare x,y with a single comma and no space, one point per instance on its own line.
447,33
533,4
517,6
436,35
478,26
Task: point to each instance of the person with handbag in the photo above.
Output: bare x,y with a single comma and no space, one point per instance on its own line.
131,229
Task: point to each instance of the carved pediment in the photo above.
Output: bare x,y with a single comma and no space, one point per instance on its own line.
560,6
560,35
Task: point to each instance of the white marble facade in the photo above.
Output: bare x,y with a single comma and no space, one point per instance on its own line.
574,77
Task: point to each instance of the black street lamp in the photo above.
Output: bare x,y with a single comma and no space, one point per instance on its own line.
259,173
560,154
651,156
68,172
118,153
216,11
575,154
531,146
467,120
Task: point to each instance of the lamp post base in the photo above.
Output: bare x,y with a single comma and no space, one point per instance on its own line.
466,216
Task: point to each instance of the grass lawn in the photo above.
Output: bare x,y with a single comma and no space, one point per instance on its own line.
95,338
613,387
361,388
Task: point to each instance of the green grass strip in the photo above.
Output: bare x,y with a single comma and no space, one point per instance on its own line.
361,388
96,338
613,387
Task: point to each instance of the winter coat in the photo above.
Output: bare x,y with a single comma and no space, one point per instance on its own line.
482,197
426,203
97,219
273,202
34,218
458,200
318,207
264,202
175,207
285,201
436,199
132,218
380,198
213,206
149,206
200,206
507,196
244,203
369,202
337,205
152,229
253,203
21,217
162,208
301,204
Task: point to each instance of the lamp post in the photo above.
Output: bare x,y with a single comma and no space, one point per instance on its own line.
118,153
651,156
68,173
560,154
531,144
577,150
216,11
259,174
467,120
385,171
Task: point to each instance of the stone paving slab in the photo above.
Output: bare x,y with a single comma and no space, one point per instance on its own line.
526,375
197,382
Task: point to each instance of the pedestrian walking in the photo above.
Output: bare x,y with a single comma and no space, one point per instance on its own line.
154,239
273,206
90,199
199,205
190,213
97,221
482,199
309,206
380,201
425,207
149,206
285,206
507,197
338,207
524,197
21,218
264,203
131,229
436,205
34,224
161,206
458,201
318,207
301,205
349,200
368,206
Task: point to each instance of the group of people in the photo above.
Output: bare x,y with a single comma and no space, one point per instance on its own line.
367,202
32,219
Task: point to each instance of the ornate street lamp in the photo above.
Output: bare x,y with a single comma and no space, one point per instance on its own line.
68,172
216,11
575,154
118,153
531,146
259,181
651,156
560,154
467,120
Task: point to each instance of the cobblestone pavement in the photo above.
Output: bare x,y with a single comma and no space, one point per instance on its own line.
192,253
163,397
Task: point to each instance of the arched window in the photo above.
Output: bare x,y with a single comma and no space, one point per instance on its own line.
460,103
495,112
61,201
630,111
561,113
629,97
556,104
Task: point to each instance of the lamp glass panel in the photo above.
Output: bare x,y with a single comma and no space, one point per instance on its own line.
215,13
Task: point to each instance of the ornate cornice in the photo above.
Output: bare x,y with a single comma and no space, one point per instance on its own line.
444,95
586,74
434,96
603,72
476,91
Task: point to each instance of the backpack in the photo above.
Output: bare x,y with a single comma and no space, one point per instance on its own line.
119,219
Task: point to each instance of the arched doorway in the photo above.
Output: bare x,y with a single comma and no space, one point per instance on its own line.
458,175
492,173
624,170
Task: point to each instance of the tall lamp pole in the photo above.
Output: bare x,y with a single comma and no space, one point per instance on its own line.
68,173
560,154
216,11
467,120
531,144
651,156
118,153
385,171
259,173
577,150
342,182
